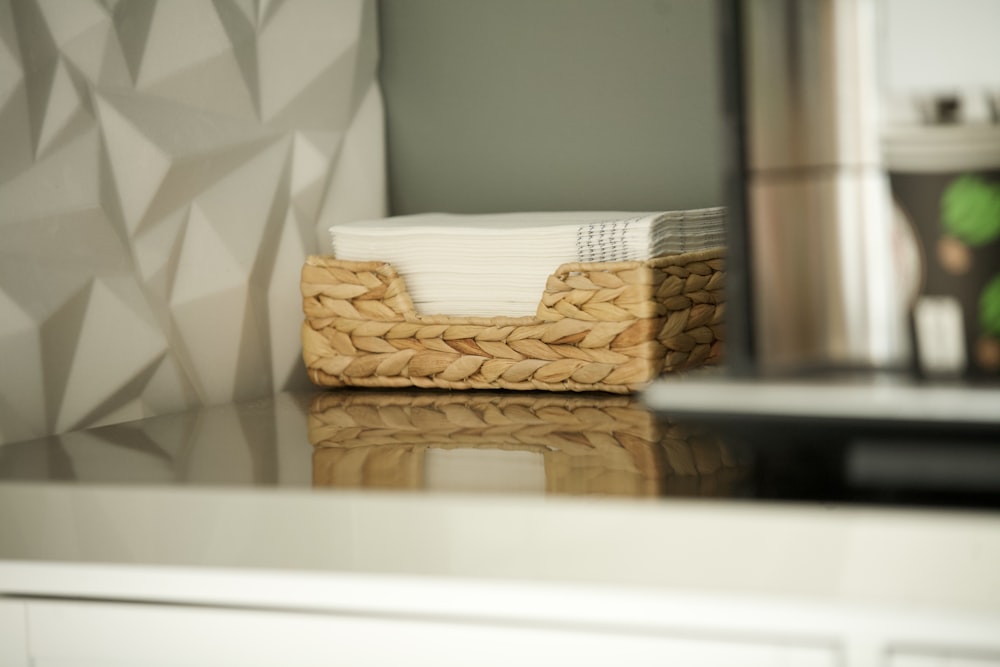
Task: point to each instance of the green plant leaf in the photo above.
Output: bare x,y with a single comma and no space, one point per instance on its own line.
989,307
970,210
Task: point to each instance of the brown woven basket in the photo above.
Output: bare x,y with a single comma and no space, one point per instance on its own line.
590,443
603,326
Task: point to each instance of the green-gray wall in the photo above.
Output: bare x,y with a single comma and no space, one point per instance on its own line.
503,105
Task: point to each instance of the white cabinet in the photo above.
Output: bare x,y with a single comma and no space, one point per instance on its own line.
63,633
13,633
929,658
86,634
109,577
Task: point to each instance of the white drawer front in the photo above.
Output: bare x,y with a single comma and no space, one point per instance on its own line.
78,634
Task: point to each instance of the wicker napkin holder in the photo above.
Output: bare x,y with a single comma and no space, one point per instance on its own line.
590,443
601,326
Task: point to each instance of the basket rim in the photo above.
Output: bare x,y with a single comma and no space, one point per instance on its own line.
410,313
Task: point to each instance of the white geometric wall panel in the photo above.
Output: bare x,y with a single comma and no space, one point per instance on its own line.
165,166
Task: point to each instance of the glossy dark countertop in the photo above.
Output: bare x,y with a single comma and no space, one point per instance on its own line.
524,443
496,442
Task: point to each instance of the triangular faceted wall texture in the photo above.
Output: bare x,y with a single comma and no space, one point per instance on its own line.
165,166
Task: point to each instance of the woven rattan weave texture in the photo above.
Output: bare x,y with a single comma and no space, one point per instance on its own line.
604,326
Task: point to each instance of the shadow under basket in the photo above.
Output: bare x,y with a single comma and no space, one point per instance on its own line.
600,326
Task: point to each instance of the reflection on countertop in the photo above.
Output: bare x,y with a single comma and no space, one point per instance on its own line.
513,442
251,443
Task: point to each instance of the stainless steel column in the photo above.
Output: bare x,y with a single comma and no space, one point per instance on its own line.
819,222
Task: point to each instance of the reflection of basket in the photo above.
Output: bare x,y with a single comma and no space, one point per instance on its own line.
608,326
590,443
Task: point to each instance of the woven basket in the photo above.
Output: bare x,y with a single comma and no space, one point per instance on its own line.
590,443
603,326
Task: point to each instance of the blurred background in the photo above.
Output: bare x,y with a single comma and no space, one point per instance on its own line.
166,166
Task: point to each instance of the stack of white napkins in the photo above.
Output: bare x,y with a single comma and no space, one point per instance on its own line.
497,264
